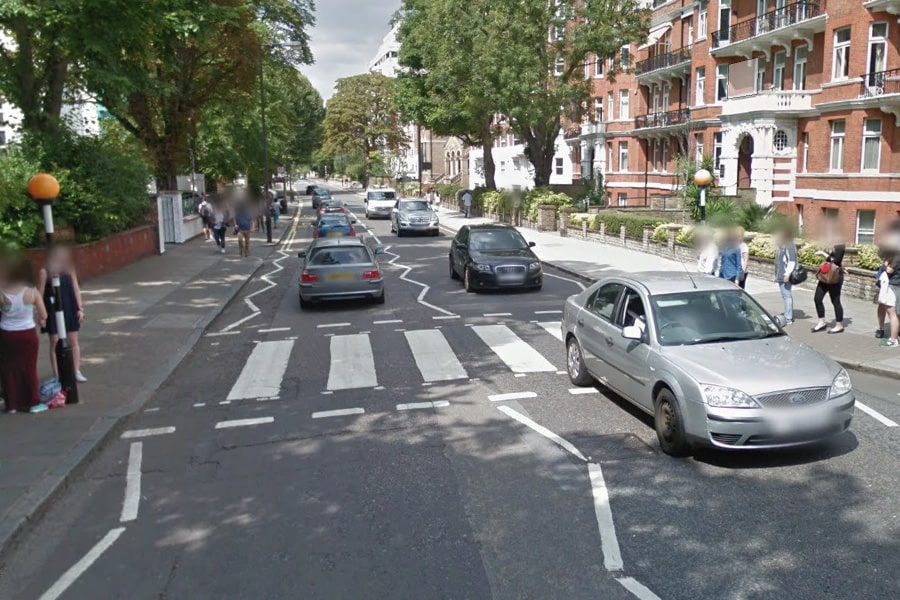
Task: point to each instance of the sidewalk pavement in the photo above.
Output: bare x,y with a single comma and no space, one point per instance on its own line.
856,348
140,322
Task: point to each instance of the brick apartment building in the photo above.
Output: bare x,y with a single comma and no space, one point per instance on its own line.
798,103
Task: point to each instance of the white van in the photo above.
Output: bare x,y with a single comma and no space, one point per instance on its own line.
380,202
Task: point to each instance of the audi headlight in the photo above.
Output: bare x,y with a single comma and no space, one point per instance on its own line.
841,384
723,397
404,223
484,268
535,266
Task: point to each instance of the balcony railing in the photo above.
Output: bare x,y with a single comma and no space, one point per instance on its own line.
880,83
663,119
774,101
770,21
663,61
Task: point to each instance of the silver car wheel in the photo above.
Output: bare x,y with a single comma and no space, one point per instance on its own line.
577,370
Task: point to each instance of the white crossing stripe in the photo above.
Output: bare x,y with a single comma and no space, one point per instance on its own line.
244,422
584,390
553,328
434,357
139,433
342,412
420,405
511,396
262,373
352,363
517,354
548,312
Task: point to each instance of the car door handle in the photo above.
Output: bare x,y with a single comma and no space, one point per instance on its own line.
609,341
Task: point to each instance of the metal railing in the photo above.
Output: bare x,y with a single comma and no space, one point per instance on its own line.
880,83
770,21
663,61
663,119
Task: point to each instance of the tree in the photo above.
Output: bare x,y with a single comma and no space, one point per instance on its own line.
362,118
543,47
451,76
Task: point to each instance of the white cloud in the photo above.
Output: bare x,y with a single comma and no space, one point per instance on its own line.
346,36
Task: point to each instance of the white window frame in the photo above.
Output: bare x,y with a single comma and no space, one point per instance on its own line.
610,107
700,98
842,49
867,136
598,66
875,41
624,102
836,146
698,147
656,99
598,109
665,156
623,157
803,167
622,199
610,157
760,80
721,75
560,66
801,59
717,149
689,22
665,97
558,165
702,21
655,156
869,233
778,67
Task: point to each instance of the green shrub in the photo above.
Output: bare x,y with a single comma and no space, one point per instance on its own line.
762,246
806,254
685,237
543,197
634,224
868,258
496,202
448,191
661,233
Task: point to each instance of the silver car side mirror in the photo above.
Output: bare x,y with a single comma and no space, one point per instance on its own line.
633,332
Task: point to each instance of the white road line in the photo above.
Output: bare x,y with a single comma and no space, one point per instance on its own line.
445,317
274,329
875,415
328,325
434,357
518,355
637,588
420,405
225,402
139,433
199,404
553,328
548,312
151,410
497,314
132,483
576,282
262,373
78,569
387,322
342,412
562,443
520,375
425,287
352,363
584,390
511,396
561,373
218,333
244,422
612,556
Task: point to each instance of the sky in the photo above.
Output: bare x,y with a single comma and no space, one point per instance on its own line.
346,35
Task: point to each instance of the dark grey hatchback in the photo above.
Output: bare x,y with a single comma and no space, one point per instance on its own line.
494,257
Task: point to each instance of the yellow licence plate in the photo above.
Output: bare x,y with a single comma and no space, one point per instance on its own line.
334,234
339,276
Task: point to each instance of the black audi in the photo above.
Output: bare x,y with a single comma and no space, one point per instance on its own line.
493,257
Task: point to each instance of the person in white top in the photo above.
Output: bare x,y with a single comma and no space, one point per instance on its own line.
19,342
708,258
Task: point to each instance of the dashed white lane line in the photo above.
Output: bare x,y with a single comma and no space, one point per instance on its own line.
612,556
637,588
199,404
876,415
151,410
422,405
445,317
274,329
387,322
584,390
511,396
78,569
497,314
548,312
140,433
561,373
342,412
132,483
219,333
329,325
244,422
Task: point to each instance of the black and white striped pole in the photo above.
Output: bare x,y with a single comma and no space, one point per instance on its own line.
703,179
44,189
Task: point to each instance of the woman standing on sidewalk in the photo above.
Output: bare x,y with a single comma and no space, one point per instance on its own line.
785,261
59,262
831,281
19,339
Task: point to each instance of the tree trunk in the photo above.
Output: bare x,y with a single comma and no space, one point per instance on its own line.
540,151
487,146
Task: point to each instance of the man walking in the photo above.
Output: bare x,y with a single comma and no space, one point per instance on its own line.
205,210
220,219
243,223
467,203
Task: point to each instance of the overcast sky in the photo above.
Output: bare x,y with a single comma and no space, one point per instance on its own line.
345,38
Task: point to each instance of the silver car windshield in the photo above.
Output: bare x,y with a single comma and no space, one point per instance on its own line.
707,316
348,255
414,205
498,239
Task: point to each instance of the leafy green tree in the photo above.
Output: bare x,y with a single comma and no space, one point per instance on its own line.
362,118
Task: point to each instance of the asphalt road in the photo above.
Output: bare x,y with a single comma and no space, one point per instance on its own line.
452,497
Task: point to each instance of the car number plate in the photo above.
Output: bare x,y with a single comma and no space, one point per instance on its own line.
339,276
510,278
334,234
805,421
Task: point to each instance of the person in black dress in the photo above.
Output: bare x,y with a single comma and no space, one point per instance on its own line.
59,260
834,257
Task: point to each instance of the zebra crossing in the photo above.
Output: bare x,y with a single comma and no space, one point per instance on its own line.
352,362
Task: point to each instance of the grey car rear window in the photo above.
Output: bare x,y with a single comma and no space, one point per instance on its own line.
349,255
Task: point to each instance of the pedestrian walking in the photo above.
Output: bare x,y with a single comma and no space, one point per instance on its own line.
730,258
889,298
708,252
745,256
275,210
220,219
205,211
467,203
60,263
785,262
19,344
831,280
243,223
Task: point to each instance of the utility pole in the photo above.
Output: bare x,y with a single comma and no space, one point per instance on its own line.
265,144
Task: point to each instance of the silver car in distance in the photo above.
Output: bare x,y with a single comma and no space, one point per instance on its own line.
340,268
703,358
414,215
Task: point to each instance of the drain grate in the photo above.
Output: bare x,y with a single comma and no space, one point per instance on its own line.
613,447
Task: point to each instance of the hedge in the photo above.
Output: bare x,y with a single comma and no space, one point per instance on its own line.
634,224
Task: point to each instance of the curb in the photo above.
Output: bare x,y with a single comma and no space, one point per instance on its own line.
29,508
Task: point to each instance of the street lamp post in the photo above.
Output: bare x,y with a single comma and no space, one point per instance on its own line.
703,179
44,189
265,145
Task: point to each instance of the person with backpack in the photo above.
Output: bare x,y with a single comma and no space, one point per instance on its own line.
205,210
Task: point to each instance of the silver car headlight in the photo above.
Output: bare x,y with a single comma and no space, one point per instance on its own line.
535,266
404,222
723,397
483,268
841,384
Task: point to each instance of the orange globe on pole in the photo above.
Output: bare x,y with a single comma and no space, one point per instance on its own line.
703,178
43,187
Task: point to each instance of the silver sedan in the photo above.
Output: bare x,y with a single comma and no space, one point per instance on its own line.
340,268
414,215
706,361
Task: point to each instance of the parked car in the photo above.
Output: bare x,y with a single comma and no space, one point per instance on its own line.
380,202
310,188
319,195
340,268
414,215
706,361
331,206
494,256
333,225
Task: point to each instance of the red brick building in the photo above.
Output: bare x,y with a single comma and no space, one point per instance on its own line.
798,103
